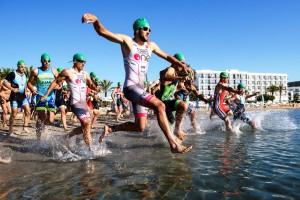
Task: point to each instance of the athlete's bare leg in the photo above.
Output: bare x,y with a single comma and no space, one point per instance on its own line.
12,118
180,113
140,123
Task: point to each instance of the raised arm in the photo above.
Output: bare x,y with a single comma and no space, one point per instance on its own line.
102,31
168,57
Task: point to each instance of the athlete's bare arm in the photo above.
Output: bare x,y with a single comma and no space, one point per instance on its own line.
167,57
234,97
32,77
124,40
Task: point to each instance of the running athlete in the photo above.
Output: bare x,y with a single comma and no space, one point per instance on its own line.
184,89
169,80
239,110
44,75
221,109
16,82
5,103
60,102
116,96
77,80
136,54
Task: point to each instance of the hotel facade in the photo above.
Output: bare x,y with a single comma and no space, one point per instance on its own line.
206,80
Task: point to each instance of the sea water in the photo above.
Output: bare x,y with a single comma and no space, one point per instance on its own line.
246,164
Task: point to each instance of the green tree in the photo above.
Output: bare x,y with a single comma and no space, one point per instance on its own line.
272,89
267,97
105,85
296,97
280,89
4,71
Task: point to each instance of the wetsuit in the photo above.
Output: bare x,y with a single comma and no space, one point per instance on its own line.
239,110
17,99
44,79
136,67
220,108
77,87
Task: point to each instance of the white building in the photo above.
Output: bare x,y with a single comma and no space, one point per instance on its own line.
206,80
292,91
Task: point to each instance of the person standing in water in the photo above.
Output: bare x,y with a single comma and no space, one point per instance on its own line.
221,109
136,54
239,109
44,75
16,82
77,80
5,103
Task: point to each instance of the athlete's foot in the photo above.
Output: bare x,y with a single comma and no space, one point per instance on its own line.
25,130
10,131
5,160
67,129
105,133
180,149
5,126
180,134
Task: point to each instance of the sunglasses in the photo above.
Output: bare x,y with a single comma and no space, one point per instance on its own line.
46,61
81,61
183,63
21,66
146,29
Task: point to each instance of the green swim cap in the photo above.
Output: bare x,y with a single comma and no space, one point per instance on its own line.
97,80
65,86
179,56
59,70
241,85
78,57
92,74
21,62
140,23
145,82
119,83
224,75
45,57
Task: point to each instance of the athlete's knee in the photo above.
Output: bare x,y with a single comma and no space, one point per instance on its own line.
182,106
160,106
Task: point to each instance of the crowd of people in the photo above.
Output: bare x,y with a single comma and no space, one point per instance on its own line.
48,90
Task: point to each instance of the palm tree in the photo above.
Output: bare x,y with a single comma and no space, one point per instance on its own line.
280,89
272,89
105,86
4,71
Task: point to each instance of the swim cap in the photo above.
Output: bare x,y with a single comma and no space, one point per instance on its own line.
145,82
179,56
59,70
65,86
97,80
21,62
45,57
224,75
78,57
92,74
140,23
241,85
119,83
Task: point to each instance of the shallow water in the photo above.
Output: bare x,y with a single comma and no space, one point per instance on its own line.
262,164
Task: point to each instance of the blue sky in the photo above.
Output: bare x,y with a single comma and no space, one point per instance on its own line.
247,35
